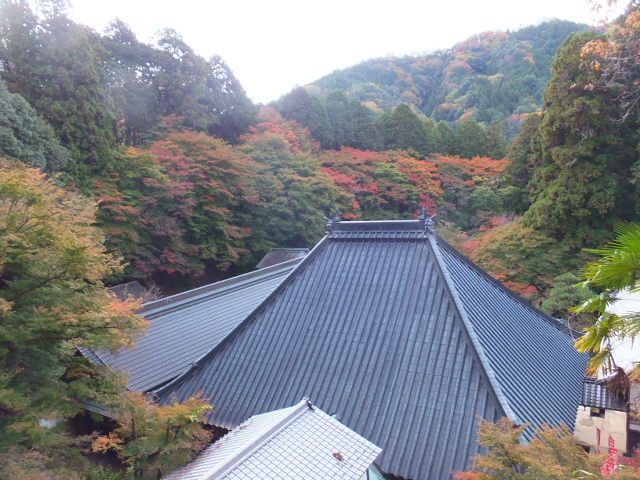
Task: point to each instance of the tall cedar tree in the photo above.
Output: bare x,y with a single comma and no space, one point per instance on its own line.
404,130
582,183
525,155
132,74
56,65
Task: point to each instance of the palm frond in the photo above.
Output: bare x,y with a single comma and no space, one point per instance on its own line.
601,361
597,304
632,327
601,333
619,266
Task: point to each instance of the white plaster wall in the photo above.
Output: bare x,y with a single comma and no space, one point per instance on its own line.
614,423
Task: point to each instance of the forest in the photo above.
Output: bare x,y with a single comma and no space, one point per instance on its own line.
122,160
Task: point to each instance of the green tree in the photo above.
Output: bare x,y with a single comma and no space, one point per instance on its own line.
525,155
361,129
471,139
582,183
132,74
26,137
522,257
309,111
293,192
56,65
565,294
433,135
236,111
446,139
496,140
403,130
52,299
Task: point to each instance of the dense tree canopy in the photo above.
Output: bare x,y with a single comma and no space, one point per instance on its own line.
98,92
51,300
26,137
491,76
56,65
170,208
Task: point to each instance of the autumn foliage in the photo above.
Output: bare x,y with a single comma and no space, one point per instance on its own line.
153,439
52,299
552,454
390,184
169,208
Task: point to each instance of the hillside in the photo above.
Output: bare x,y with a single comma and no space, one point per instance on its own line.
491,76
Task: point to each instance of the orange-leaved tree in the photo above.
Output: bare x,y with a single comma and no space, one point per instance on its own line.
52,299
153,439
551,455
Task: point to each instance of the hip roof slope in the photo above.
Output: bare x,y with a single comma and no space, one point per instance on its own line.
369,325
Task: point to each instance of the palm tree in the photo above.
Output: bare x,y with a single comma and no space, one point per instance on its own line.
617,269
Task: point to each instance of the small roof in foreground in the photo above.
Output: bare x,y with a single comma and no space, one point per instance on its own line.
279,255
299,442
185,326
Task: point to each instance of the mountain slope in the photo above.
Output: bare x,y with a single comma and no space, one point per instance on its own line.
491,76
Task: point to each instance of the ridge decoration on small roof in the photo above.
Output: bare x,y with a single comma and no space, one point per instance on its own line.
387,324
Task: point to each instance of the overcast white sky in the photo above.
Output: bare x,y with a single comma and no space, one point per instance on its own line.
274,45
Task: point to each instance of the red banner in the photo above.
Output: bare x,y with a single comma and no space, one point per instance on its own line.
610,465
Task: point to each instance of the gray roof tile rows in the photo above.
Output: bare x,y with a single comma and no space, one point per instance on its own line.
295,443
404,339
531,355
367,326
185,326
596,394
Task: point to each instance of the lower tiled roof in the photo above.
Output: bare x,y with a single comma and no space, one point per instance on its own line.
183,327
294,443
595,394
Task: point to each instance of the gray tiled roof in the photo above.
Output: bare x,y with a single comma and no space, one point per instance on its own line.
295,443
531,354
596,394
404,339
185,326
279,255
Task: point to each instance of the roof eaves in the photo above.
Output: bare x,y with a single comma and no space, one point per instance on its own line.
302,262
214,288
484,360
256,445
